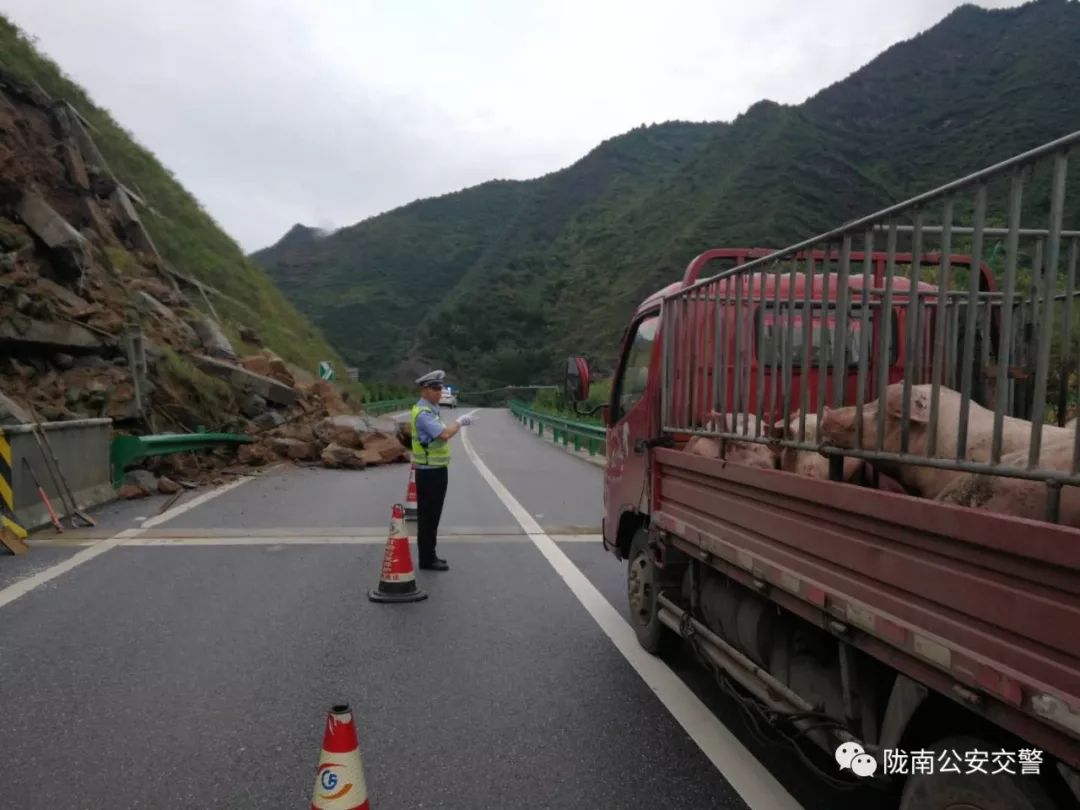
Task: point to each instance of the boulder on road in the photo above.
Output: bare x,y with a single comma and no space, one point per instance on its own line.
254,455
336,456
166,486
130,492
295,449
382,448
143,479
355,431
344,430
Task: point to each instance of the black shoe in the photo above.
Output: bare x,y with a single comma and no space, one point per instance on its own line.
435,565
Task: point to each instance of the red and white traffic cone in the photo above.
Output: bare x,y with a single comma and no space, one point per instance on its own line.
397,582
339,780
410,494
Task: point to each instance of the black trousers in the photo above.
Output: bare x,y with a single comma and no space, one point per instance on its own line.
430,495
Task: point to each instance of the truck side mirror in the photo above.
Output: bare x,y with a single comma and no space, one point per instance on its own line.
576,381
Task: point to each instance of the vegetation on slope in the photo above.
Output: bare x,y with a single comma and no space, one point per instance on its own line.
184,233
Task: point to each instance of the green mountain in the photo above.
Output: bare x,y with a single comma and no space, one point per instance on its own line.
498,282
369,286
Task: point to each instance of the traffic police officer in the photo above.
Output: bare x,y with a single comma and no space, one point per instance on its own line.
431,455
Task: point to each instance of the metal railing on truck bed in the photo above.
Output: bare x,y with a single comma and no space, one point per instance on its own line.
918,359
879,318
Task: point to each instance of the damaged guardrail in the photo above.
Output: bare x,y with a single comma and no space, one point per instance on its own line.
126,450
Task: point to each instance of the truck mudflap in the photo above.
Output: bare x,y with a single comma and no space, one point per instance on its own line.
981,607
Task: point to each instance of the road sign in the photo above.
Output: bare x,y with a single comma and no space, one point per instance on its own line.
326,370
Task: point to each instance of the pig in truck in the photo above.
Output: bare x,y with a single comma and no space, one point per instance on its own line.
931,347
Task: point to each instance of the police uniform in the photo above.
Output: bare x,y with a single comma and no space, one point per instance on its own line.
431,455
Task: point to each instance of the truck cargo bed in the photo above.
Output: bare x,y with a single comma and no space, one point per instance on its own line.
982,607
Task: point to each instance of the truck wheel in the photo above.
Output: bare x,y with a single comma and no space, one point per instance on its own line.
963,791
643,584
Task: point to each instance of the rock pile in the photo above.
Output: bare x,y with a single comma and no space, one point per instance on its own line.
95,323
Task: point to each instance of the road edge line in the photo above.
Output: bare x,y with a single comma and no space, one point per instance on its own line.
23,586
742,770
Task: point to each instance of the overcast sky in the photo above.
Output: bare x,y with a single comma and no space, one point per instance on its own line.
273,115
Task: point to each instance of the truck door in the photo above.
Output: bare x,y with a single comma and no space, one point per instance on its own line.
632,419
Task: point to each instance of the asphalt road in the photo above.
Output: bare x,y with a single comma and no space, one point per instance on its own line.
190,662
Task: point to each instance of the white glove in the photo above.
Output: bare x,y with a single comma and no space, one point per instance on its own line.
465,420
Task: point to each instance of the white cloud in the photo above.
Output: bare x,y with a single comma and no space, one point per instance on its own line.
272,114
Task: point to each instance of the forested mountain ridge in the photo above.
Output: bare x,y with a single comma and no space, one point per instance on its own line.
498,282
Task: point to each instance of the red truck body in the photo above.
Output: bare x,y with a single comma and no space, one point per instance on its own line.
949,611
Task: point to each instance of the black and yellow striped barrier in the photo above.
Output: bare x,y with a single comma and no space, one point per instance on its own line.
7,497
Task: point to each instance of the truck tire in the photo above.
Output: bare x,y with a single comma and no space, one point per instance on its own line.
643,584
963,791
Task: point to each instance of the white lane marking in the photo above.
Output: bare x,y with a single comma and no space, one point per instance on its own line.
751,780
151,540
24,586
579,538
199,500
174,542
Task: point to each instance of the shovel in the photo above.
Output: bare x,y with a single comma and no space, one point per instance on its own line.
44,498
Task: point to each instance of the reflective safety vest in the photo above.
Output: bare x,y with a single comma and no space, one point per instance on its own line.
437,452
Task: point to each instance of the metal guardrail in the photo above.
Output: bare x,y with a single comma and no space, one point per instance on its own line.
791,333
564,430
128,449
388,405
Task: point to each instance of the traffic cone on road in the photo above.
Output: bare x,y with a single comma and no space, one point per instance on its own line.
410,494
397,582
339,780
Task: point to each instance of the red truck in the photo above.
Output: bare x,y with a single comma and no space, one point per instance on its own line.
870,621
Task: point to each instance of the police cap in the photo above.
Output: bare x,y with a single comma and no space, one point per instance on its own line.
432,379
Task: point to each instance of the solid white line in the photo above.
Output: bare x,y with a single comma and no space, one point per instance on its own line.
751,780
24,586
312,540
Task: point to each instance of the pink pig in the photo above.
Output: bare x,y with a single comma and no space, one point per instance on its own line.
808,462
1016,496
838,428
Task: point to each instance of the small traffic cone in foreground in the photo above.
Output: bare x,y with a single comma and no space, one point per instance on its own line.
339,780
410,494
397,582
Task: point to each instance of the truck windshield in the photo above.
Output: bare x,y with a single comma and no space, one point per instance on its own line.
635,375
772,334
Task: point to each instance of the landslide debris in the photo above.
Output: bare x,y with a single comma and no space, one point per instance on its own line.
94,322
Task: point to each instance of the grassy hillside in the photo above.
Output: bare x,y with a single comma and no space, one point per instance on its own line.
373,285
567,269
184,233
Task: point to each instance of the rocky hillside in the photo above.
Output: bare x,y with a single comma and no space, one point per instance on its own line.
527,272
120,298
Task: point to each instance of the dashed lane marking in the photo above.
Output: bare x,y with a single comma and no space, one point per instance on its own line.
753,782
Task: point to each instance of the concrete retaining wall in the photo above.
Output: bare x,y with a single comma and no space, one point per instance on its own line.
82,448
